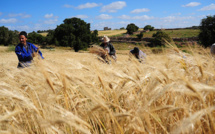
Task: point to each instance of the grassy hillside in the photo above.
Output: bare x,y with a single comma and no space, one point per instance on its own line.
182,33
44,34
111,32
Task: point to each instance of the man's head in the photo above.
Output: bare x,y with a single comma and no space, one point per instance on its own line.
105,39
136,50
23,37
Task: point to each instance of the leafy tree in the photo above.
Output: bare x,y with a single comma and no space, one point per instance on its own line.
140,36
95,36
207,31
50,37
8,37
148,27
4,35
79,45
13,37
36,38
131,28
122,28
74,32
160,38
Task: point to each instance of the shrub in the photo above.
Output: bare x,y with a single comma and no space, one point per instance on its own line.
140,36
160,38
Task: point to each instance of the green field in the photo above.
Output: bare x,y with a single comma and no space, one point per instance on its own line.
44,34
182,33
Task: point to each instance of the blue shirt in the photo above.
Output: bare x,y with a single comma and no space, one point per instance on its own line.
25,55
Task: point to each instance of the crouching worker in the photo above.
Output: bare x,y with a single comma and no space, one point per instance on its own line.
140,55
108,47
26,51
213,49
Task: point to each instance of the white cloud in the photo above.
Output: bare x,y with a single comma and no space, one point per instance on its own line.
88,5
192,4
176,22
125,17
104,17
68,6
49,15
26,16
177,18
23,28
81,16
143,17
51,21
124,23
22,15
176,14
140,10
113,7
1,13
210,7
11,20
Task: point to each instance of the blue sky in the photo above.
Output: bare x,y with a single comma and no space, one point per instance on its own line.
36,15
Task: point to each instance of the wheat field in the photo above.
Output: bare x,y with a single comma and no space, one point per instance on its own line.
68,92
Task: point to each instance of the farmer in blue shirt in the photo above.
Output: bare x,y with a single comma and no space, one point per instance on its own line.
26,51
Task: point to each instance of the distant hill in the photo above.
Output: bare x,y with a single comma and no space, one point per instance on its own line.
174,33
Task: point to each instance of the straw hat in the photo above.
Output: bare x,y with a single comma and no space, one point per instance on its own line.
105,39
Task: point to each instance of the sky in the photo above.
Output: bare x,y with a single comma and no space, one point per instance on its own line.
34,15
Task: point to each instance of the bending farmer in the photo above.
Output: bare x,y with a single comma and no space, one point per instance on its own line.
140,55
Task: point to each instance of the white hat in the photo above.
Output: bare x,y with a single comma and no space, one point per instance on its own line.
105,39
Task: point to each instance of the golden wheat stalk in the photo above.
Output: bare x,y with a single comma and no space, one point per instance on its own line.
97,50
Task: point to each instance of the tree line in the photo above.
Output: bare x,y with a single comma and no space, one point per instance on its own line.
75,33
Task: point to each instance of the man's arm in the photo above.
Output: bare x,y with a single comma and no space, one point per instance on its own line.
112,50
35,49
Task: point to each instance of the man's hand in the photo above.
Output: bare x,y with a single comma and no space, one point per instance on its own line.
34,54
106,51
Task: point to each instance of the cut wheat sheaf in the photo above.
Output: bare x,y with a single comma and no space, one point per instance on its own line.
68,92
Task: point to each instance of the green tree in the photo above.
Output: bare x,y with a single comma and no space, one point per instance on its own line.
148,27
95,38
160,38
36,38
140,36
13,37
4,35
50,37
131,28
79,45
8,37
207,31
73,32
